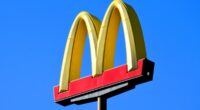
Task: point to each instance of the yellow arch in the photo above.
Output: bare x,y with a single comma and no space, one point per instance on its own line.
135,47
103,49
83,23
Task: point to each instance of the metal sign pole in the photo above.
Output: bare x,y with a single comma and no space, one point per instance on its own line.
101,101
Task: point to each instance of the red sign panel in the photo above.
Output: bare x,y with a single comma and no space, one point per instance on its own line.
109,78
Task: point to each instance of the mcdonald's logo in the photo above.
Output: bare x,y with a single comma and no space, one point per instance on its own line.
102,39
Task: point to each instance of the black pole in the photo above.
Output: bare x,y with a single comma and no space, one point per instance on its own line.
102,104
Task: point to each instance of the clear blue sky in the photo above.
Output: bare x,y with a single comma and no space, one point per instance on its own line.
33,34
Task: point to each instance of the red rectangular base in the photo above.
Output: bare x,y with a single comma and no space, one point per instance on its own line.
109,78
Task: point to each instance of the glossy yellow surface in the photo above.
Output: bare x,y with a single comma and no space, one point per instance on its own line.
102,38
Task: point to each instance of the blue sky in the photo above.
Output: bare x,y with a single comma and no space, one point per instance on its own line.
32,40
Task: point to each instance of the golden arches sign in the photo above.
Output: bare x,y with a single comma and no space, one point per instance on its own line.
102,39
